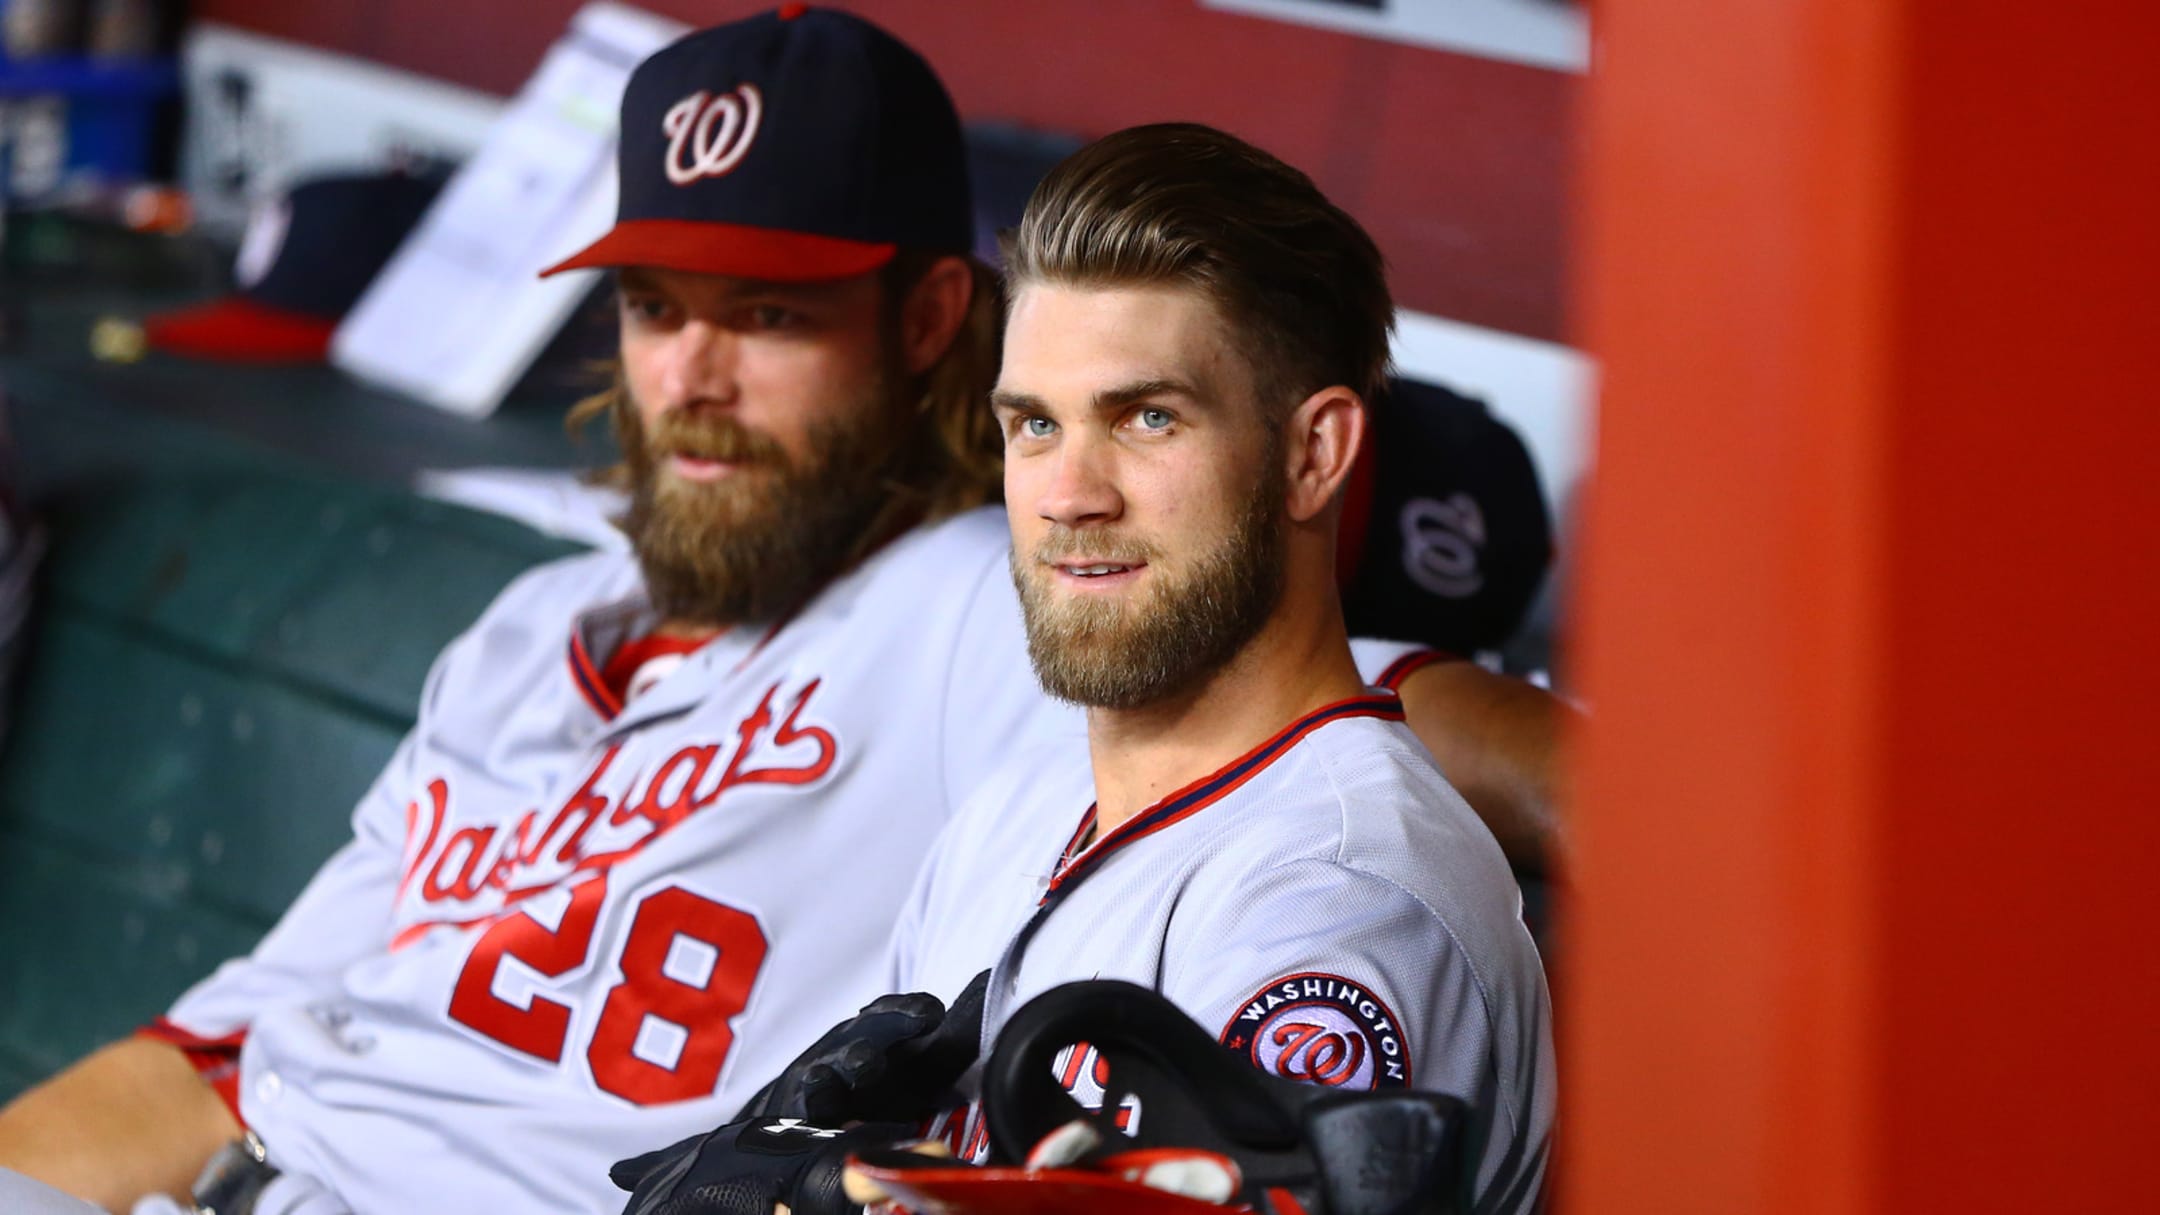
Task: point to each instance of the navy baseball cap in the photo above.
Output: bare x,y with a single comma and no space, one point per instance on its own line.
304,262
797,145
1445,535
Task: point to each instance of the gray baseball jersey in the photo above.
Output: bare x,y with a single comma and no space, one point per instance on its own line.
1326,903
568,930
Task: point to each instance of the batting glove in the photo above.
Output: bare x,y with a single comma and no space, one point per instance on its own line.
745,1167
895,1061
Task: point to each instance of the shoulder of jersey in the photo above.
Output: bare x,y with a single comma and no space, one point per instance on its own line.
567,585
942,561
1401,822
1395,815
1383,776
970,538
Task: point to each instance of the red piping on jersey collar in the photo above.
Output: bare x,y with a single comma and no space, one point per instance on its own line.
585,673
1212,788
636,654
1411,663
593,685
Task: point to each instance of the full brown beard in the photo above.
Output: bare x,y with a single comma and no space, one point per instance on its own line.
1114,655
758,543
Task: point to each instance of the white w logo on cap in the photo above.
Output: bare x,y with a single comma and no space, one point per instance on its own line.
714,131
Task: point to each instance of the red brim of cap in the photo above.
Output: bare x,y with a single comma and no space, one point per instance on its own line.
238,329
731,249
1004,1190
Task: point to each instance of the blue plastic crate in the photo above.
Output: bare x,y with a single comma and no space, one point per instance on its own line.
108,109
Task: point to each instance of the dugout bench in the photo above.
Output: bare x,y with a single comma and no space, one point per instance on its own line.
239,604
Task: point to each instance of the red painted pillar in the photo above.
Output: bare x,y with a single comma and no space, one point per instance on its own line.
1868,843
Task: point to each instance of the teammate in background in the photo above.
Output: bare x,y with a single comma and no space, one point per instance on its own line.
657,812
1251,831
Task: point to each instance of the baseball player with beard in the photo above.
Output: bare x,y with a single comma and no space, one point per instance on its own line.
1254,832
1251,831
602,891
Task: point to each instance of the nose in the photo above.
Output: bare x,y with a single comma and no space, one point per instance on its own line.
699,366
1080,482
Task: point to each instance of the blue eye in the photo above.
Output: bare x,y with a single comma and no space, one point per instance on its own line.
1036,427
1155,419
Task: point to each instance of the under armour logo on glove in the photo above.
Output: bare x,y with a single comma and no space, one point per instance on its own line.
797,1126
707,135
745,1167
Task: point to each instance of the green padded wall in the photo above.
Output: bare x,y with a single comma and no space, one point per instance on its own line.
222,659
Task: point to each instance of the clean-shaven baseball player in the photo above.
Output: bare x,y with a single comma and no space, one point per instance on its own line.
1251,829
593,900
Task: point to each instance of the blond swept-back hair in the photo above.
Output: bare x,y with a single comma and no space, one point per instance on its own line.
1300,283
957,463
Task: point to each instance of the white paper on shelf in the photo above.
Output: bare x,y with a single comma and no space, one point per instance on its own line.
549,501
460,313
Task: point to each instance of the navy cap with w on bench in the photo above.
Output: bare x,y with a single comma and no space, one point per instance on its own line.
796,145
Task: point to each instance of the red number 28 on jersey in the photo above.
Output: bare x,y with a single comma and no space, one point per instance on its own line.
699,1010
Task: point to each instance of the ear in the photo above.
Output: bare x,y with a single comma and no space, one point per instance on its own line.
1321,443
935,308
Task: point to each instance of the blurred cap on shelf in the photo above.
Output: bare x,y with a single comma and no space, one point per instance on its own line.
304,261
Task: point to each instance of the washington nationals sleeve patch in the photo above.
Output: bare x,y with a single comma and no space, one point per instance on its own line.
1321,1029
